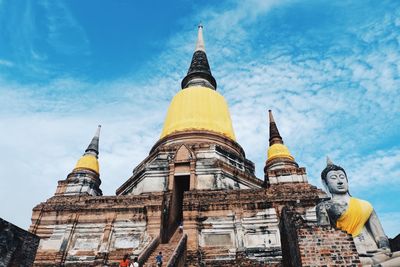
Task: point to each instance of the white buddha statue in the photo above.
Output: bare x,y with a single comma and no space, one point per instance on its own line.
355,216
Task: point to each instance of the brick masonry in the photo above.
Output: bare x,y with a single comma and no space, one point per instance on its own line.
307,244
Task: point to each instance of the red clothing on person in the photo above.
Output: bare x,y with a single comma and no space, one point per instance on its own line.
124,263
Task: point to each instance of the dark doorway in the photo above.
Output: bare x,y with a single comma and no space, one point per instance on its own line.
181,184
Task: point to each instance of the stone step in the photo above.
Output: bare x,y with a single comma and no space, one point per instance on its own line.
166,249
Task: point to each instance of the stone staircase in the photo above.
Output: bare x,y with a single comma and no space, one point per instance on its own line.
166,249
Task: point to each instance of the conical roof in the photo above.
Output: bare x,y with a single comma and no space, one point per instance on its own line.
199,107
93,147
276,147
89,159
199,73
274,136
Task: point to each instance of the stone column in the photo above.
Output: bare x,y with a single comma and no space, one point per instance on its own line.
171,176
105,241
239,232
193,178
67,238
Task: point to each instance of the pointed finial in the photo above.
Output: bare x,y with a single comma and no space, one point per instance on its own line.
199,73
328,161
98,131
271,117
93,147
274,136
200,40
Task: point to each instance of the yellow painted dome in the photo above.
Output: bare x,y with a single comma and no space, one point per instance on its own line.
88,161
279,151
198,108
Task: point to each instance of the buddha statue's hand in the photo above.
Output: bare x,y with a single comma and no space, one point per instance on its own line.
385,251
368,253
378,254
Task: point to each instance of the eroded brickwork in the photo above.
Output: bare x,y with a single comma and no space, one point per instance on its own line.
223,226
307,244
92,231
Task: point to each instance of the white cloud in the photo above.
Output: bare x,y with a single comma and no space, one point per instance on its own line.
44,132
6,63
38,150
378,168
61,22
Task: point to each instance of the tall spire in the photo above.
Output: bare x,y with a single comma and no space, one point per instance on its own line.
93,147
276,150
280,166
200,40
85,177
199,73
274,136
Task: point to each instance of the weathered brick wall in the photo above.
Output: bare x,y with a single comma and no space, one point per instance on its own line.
74,214
240,259
101,217
289,240
322,246
17,246
307,244
200,206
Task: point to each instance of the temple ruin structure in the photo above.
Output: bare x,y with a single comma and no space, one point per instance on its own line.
197,175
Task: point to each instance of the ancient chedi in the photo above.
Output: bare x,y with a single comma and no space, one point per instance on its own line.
198,175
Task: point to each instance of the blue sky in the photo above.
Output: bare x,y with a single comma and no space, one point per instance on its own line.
328,69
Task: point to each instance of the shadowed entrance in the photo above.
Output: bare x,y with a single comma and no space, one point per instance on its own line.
181,184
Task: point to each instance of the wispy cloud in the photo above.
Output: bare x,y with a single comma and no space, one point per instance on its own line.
44,135
40,37
6,63
367,171
64,33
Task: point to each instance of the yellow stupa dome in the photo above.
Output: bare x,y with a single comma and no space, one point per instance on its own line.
88,161
198,108
279,151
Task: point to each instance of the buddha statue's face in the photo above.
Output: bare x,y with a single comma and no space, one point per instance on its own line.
337,182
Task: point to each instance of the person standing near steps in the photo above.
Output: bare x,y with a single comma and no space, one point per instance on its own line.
135,262
125,261
159,259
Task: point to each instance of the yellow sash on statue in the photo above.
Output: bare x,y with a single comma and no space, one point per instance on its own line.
353,219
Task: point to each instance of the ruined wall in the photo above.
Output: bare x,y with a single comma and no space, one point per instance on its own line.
240,259
290,241
307,244
17,246
90,230
225,225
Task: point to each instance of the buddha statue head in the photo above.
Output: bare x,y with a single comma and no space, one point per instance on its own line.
334,179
